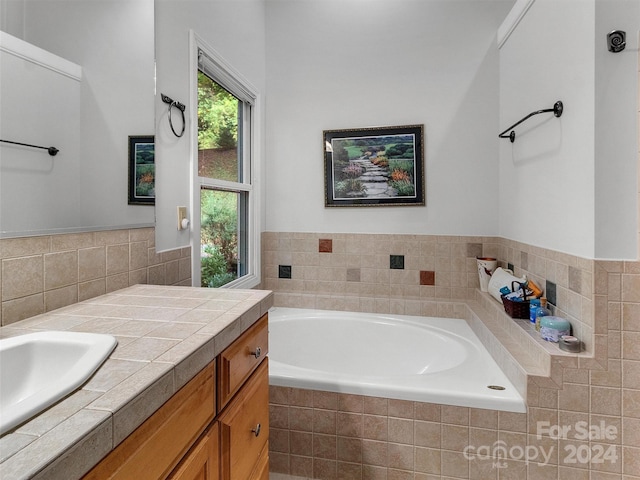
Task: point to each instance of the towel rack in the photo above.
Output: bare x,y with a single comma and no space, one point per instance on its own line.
52,150
557,111
180,106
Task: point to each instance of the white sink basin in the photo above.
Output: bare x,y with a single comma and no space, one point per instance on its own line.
38,369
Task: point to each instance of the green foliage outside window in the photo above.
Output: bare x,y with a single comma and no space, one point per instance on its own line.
217,115
219,236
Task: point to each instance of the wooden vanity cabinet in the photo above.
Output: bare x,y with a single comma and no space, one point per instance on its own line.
202,461
200,434
240,359
244,428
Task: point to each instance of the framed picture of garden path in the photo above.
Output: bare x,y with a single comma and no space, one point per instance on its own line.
142,170
374,166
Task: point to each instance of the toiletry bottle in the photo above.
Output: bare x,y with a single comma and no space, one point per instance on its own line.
534,303
541,311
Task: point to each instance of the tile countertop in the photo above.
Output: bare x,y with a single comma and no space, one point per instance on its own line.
165,336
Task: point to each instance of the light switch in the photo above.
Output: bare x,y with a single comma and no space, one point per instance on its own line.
183,221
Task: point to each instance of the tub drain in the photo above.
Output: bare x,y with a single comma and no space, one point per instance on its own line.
496,387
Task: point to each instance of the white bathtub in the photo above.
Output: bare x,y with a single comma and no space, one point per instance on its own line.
436,360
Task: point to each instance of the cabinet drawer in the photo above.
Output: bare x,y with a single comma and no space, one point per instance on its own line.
244,427
156,447
240,359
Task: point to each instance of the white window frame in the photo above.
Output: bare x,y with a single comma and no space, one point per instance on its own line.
234,82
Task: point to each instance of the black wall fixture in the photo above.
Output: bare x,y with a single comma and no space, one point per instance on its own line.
616,40
53,151
557,110
180,106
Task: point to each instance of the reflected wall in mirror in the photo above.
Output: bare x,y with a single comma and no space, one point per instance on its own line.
85,186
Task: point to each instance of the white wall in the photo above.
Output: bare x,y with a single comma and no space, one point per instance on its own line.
569,184
235,29
348,64
616,132
34,100
547,174
113,42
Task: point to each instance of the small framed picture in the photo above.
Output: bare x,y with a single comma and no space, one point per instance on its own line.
379,166
142,170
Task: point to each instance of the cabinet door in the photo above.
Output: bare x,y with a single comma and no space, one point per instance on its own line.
262,469
244,427
155,448
240,359
201,463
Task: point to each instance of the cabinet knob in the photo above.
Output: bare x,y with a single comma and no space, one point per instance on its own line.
257,352
256,430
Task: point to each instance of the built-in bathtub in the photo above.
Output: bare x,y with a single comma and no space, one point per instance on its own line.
423,359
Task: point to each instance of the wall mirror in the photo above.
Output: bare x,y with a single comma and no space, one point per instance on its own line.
85,186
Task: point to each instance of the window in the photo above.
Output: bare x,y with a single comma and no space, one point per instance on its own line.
227,235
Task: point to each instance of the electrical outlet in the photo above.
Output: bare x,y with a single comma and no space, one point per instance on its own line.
183,222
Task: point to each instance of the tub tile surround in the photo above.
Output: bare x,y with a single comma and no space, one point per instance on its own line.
599,389
166,334
42,273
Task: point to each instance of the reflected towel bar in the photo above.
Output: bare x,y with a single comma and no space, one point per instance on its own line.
180,106
557,111
52,150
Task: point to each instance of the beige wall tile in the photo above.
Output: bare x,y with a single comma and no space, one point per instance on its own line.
375,405
137,277
349,449
138,255
60,297
349,424
606,401
631,374
72,241
172,272
22,277
117,258
327,400
324,421
401,431
455,437
157,274
631,459
427,460
21,308
400,457
60,269
92,263
301,419
111,237
301,466
278,439
631,288
324,446
374,452
454,464
631,403
574,397
375,427
91,289
24,247
118,281
301,443
401,408
78,262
